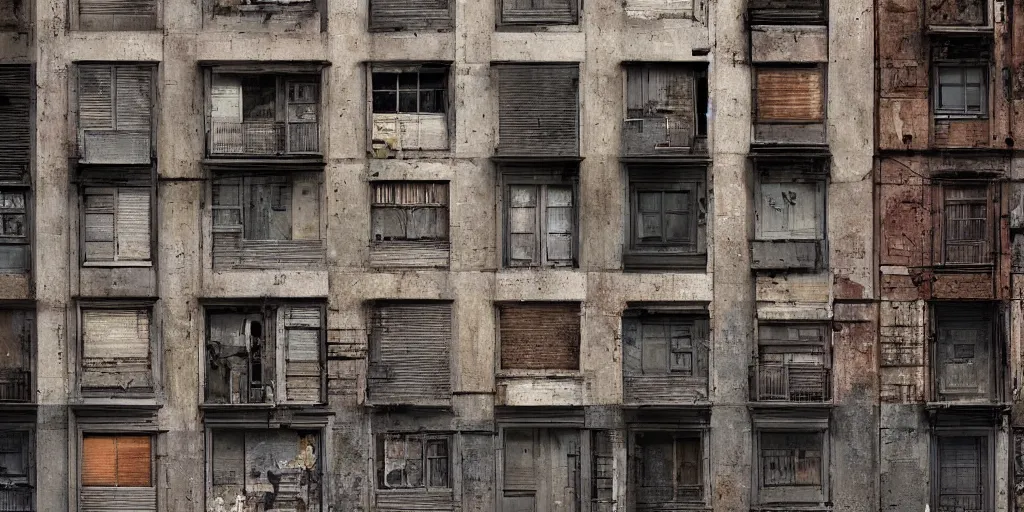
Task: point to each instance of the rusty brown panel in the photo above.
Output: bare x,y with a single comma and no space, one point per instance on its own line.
963,286
962,133
905,219
854,369
902,287
540,336
903,123
790,95
960,12
1004,256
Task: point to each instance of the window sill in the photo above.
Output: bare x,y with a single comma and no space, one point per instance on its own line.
539,374
115,264
539,26
959,268
959,116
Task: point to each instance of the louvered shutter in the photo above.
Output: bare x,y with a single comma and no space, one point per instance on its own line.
117,14
410,14
133,224
538,110
793,95
115,333
411,353
99,204
117,474
15,122
302,354
540,336
539,12
115,113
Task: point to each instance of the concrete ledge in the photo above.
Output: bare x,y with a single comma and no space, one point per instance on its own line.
780,43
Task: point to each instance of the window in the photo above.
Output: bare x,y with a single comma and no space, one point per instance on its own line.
539,336
117,469
966,225
960,81
264,114
667,218
410,345
409,223
668,469
410,107
791,204
666,109
410,15
413,461
789,104
664,357
789,459
116,350
962,479
965,352
14,242
793,363
117,14
16,464
538,110
264,355
15,122
117,224
540,469
539,12
265,469
115,113
540,218
267,220
16,356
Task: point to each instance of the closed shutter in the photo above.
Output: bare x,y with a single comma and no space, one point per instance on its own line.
789,210
302,354
790,95
117,474
522,229
114,333
133,224
538,110
964,358
15,122
966,231
411,353
99,204
99,461
540,336
117,224
768,12
115,113
410,14
539,12
117,14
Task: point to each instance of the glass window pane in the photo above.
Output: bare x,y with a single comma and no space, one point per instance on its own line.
407,101
523,195
678,227
432,102
13,257
432,80
385,81
522,247
559,196
649,201
385,102
973,75
973,98
408,81
559,220
951,96
14,225
559,247
522,220
950,76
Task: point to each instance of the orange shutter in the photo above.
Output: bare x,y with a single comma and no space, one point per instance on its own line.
99,461
133,461
793,95
116,461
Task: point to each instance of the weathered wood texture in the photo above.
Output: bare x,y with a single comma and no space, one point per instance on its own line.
778,12
117,14
410,15
665,110
410,346
538,110
540,336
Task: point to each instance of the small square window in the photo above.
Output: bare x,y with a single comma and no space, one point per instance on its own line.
966,224
263,114
669,468
409,106
413,461
667,218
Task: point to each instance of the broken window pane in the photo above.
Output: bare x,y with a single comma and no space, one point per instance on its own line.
409,210
270,207
275,469
405,463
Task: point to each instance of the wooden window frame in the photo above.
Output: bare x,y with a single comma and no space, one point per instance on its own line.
987,473
674,320
966,111
635,471
506,22
698,102
797,174
957,311
767,346
270,314
17,385
245,185
940,223
382,148
963,54
24,241
155,352
115,190
766,495
668,255
517,177
380,441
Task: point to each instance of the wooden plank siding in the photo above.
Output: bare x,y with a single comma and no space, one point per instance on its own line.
115,107
665,359
388,15
15,122
116,353
117,14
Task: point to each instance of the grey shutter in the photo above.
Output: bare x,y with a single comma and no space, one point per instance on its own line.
115,113
655,347
539,12
520,459
560,225
302,367
100,206
961,468
133,224
410,14
117,14
227,222
964,359
538,110
15,122
523,211
411,343
632,354
111,499
116,349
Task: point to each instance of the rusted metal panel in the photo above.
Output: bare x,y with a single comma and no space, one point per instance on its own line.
539,12
116,350
538,110
115,105
666,109
540,336
779,12
905,202
958,13
15,122
117,14
410,15
116,461
265,469
790,95
786,254
410,346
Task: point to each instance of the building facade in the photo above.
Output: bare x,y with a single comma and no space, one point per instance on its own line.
509,255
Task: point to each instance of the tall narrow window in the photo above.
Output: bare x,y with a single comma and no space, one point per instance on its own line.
962,473
116,350
540,218
117,224
117,469
115,109
964,352
16,361
967,231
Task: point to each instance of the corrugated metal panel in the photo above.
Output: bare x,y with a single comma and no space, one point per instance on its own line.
540,336
411,343
115,333
117,14
790,95
410,254
664,389
302,354
115,113
539,12
432,501
538,110
133,461
133,224
99,461
15,122
118,499
410,14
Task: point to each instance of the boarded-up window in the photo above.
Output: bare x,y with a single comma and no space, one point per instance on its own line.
539,336
664,357
409,106
117,14
602,469
15,469
116,350
540,222
15,122
541,470
115,113
964,347
413,461
16,356
538,110
793,363
117,473
791,459
668,469
787,12
790,95
264,114
117,224
14,242
275,469
244,347
409,223
791,204
539,12
962,474
267,220
666,109
410,14
966,226
410,347
667,217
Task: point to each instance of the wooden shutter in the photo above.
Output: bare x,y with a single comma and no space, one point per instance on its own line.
116,461
15,122
117,14
540,336
964,354
520,459
790,95
117,224
410,14
962,466
770,12
302,328
539,12
966,226
99,461
522,224
559,215
538,110
115,333
133,224
115,113
632,353
227,221
100,212
790,210
411,344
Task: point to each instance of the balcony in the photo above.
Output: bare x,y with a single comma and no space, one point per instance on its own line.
15,386
790,383
17,498
269,138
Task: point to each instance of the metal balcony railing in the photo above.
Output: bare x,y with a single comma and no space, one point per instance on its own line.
772,382
15,499
268,138
15,386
